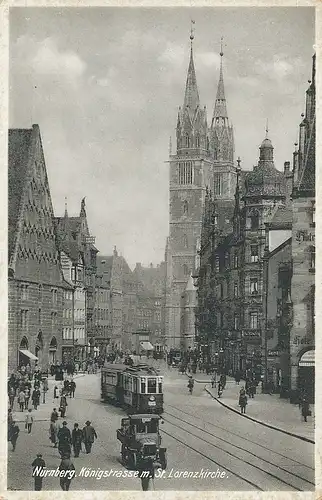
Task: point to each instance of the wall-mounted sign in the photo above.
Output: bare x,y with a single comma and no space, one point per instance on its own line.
272,354
304,235
304,340
250,333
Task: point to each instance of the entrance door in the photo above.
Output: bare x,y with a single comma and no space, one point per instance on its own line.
306,381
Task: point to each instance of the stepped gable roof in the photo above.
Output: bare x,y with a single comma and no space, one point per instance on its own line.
19,145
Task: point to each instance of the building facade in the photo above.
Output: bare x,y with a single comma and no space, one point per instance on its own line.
203,157
78,261
36,284
302,332
231,282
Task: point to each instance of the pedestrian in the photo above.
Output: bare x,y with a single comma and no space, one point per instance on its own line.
306,412
21,399
27,397
66,465
63,405
53,433
13,436
72,388
64,440
146,473
237,377
35,397
56,392
220,390
213,380
77,438
223,380
54,415
242,400
38,466
45,384
89,434
29,421
11,394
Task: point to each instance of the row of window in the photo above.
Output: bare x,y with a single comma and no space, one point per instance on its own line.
253,322
225,263
79,333
185,172
101,314
24,293
68,294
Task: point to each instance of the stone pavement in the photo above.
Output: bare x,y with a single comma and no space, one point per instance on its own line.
269,410
44,409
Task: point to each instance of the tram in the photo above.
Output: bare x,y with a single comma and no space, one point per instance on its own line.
138,388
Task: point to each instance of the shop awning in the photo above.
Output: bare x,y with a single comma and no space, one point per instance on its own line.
147,346
28,354
308,359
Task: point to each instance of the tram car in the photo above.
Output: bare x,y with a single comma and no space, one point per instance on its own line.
138,388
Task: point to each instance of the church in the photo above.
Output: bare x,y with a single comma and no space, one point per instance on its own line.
204,157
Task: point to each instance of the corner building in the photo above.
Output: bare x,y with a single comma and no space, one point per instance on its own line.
204,157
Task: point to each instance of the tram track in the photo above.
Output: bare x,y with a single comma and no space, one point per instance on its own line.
205,438
240,436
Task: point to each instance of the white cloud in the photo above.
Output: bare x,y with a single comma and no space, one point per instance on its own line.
49,60
173,54
209,59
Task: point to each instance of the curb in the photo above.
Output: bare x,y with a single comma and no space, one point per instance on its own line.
298,436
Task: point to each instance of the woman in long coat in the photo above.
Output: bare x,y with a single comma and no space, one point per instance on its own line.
63,405
53,433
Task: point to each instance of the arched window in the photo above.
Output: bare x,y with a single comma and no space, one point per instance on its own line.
187,141
254,221
197,141
24,343
207,144
185,207
185,241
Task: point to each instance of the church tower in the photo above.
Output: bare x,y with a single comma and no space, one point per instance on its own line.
190,172
222,143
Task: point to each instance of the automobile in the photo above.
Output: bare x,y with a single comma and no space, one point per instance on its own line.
141,440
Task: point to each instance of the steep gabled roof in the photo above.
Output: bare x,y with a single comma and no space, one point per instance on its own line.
18,156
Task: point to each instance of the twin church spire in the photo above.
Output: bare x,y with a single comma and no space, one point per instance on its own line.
192,120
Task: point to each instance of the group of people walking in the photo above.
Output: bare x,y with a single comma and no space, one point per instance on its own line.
62,438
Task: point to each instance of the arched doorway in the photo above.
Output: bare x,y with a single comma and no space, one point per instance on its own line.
53,351
306,374
39,349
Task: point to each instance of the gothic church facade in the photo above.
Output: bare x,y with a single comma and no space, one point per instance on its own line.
204,157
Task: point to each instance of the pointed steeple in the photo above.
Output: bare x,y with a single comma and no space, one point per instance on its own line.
220,110
191,97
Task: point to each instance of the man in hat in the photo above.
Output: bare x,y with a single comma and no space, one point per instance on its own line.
64,440
13,435
77,438
89,434
38,466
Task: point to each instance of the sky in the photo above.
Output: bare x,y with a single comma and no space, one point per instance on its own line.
105,84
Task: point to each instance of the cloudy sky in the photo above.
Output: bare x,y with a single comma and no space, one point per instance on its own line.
104,84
